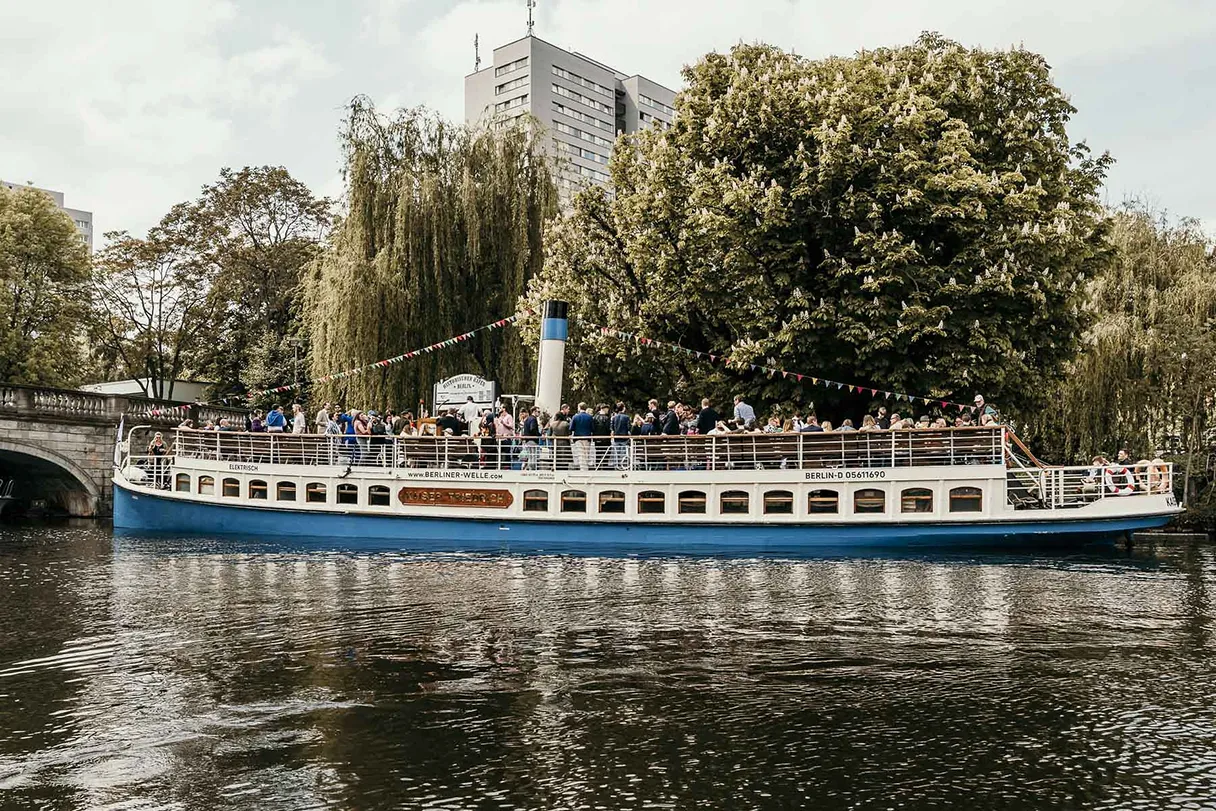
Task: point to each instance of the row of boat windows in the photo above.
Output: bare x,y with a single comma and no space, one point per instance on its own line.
774,502
257,489
650,502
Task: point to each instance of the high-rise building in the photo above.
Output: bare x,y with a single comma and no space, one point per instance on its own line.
583,103
83,219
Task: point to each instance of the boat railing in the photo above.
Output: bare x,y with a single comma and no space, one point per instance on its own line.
731,451
1068,487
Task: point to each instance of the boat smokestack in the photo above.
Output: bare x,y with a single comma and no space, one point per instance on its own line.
550,361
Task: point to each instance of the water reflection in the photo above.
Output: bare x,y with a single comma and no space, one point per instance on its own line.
141,673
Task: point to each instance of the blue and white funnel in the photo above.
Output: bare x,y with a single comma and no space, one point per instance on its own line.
550,361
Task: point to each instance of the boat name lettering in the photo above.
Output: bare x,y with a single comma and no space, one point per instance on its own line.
845,475
239,466
454,497
451,474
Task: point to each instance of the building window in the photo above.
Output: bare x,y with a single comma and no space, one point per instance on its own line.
377,496
612,501
502,70
579,115
536,501
575,132
285,491
778,502
658,105
511,85
579,80
586,154
916,500
206,486
258,489
574,501
651,502
966,500
232,488
182,483
314,493
510,104
581,99
733,502
691,502
822,502
869,501
348,494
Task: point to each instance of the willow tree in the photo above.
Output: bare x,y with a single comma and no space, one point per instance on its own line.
444,229
912,218
1146,373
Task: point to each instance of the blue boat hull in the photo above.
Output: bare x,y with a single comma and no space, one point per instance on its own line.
146,513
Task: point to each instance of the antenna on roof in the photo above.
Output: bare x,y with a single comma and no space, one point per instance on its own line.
476,54
531,5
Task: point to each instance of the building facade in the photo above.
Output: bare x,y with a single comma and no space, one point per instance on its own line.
584,104
83,219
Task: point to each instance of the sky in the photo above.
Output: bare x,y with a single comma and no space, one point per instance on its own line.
129,106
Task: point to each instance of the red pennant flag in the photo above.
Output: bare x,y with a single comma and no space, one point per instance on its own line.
799,378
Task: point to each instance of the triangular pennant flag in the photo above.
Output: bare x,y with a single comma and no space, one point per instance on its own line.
799,378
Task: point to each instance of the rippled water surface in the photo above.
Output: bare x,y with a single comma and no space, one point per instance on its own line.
202,675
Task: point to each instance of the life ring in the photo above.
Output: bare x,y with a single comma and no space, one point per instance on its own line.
1114,486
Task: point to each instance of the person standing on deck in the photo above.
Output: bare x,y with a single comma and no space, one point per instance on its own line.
322,421
621,427
707,418
582,428
299,422
470,413
982,409
745,415
276,420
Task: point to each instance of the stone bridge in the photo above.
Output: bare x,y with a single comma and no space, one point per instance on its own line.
57,445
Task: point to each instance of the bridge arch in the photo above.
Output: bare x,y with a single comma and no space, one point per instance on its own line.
59,480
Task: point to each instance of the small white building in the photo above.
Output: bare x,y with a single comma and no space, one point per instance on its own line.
184,391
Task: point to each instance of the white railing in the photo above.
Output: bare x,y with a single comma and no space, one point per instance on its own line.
736,451
1065,487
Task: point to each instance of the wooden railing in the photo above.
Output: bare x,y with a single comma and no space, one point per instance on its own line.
71,405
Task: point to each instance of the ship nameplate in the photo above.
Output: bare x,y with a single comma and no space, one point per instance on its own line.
455,497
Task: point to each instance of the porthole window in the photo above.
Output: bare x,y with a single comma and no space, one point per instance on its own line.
206,486
232,488
348,494
182,483
734,502
536,501
314,492
574,501
691,502
257,489
285,491
966,500
869,500
378,496
612,501
823,502
916,500
778,502
651,502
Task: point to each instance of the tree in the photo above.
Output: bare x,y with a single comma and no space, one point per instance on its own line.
444,229
257,228
1145,376
44,265
912,218
151,302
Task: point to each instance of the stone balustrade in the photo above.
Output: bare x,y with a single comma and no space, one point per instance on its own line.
70,405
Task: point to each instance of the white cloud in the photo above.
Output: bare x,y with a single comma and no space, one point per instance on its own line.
129,106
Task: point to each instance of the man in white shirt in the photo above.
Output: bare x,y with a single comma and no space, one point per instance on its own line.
323,419
299,422
471,414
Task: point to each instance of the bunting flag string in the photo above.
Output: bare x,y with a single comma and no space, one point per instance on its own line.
386,362
739,363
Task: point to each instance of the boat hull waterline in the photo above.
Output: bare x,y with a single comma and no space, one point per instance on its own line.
145,512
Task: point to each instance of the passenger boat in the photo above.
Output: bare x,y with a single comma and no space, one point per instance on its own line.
730,492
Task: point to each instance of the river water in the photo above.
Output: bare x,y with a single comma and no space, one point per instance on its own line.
139,674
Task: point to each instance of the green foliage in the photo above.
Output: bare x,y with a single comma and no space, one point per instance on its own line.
44,266
257,229
1145,376
445,228
915,218
150,303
